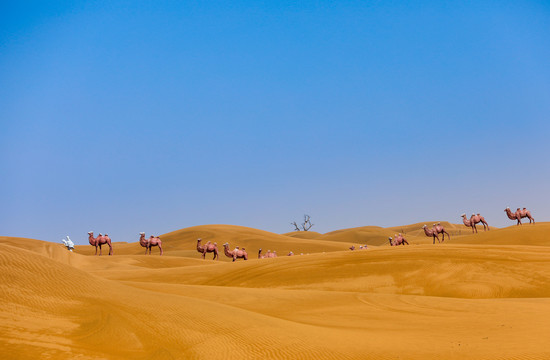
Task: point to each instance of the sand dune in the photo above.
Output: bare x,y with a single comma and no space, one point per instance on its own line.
481,296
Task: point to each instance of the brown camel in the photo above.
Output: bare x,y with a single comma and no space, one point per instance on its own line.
441,230
476,219
149,243
519,214
235,254
100,240
290,254
430,233
398,240
207,248
260,256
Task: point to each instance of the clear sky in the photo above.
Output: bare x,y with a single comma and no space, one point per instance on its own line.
129,116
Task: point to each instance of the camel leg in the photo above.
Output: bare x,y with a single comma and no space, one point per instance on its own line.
160,247
96,249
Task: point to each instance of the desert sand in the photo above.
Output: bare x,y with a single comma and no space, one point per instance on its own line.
475,296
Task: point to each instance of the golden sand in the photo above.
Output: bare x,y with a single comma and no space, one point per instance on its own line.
481,296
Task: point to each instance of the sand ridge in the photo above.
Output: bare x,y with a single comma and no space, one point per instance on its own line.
480,296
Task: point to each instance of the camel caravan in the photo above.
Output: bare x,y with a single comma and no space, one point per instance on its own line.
236,253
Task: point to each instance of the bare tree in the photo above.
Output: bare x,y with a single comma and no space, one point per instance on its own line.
305,226
307,223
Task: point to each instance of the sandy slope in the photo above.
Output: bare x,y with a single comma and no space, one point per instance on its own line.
482,296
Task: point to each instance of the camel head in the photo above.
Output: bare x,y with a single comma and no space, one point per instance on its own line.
142,234
199,240
425,226
226,245
463,215
91,233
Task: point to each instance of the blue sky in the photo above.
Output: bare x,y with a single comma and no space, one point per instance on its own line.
129,116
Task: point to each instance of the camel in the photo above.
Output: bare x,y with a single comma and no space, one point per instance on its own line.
398,240
352,247
441,230
149,243
290,254
430,233
100,240
235,254
519,214
268,254
207,248
476,219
